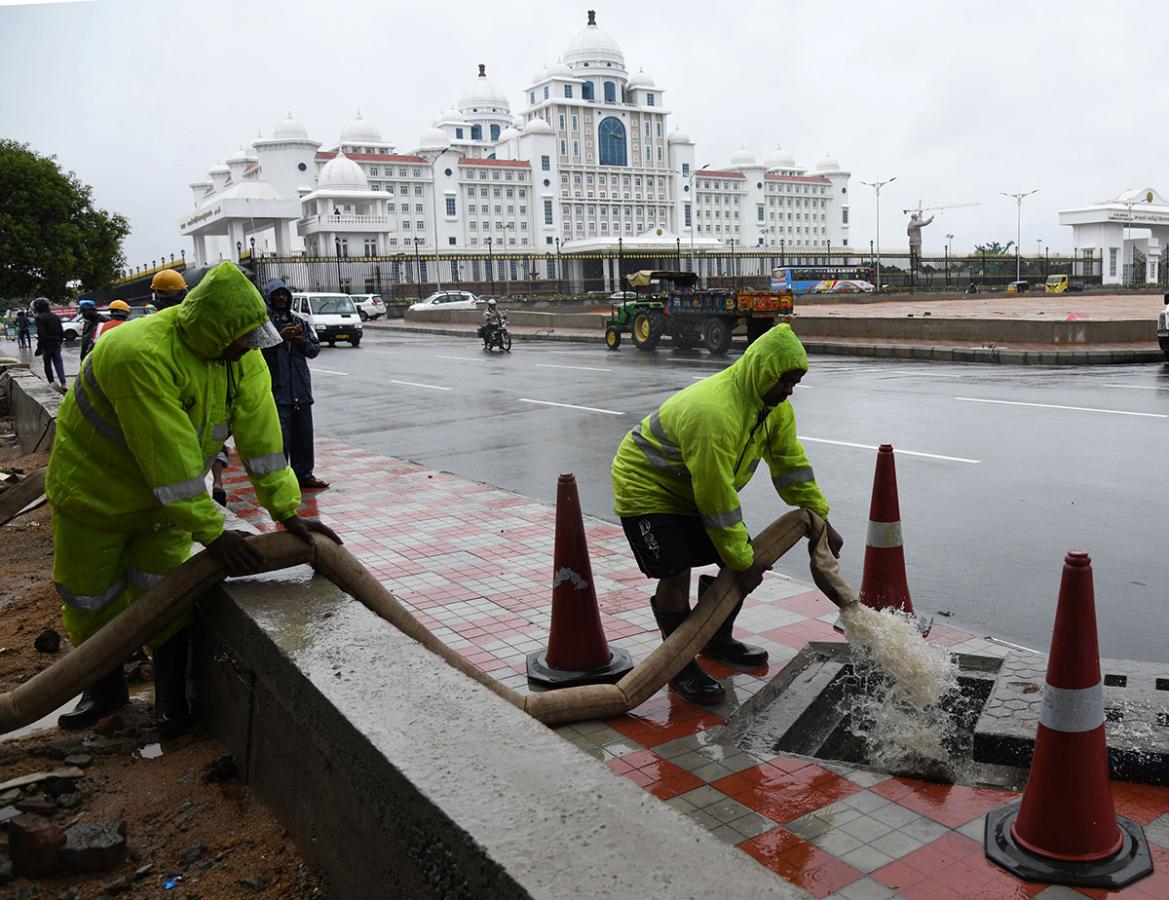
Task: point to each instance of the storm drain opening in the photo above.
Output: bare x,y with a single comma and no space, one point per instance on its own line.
819,707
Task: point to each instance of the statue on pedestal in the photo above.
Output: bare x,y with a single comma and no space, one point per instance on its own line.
913,229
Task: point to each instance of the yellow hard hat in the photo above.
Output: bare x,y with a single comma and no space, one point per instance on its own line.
120,305
168,280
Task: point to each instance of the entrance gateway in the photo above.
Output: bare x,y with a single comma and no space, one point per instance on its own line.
1128,234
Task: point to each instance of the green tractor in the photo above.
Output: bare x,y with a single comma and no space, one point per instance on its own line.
643,318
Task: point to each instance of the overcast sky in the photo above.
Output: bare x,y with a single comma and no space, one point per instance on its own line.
959,100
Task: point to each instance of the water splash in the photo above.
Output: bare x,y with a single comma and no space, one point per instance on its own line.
901,706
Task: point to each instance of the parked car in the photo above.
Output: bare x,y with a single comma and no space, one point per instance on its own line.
449,300
619,296
369,306
333,316
72,329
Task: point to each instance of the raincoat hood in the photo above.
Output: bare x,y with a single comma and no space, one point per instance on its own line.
776,351
274,285
222,307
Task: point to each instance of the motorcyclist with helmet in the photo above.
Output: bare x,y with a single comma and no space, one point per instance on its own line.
492,319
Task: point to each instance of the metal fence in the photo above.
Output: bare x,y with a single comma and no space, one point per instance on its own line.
411,276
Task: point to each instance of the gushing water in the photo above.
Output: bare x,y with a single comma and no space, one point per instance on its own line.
897,708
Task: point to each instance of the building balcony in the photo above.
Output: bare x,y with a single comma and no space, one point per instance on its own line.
341,222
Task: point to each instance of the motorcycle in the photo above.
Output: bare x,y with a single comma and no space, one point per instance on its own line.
496,335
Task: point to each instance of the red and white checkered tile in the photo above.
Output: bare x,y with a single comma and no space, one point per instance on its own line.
474,565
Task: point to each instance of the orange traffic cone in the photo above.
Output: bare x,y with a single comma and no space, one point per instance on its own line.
1065,829
577,650
883,582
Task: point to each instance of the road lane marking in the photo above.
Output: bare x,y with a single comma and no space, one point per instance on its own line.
1138,387
462,358
921,372
580,368
327,371
608,412
1115,412
433,387
900,452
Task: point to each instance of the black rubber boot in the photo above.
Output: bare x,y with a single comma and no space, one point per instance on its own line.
723,645
171,710
99,700
692,682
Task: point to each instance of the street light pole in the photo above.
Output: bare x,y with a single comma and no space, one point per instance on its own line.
490,267
337,251
694,211
559,271
949,238
876,186
1018,227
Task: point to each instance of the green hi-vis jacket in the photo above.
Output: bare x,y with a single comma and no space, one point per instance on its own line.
153,405
701,447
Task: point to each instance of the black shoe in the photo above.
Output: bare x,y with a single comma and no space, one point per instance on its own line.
723,645
219,495
693,683
172,713
98,701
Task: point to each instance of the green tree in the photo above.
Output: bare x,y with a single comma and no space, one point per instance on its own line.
994,248
50,232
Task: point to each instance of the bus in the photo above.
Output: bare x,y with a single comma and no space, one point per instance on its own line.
822,279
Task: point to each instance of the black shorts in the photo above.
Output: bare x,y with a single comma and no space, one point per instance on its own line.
665,544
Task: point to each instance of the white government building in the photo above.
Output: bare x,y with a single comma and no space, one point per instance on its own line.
1130,230
587,161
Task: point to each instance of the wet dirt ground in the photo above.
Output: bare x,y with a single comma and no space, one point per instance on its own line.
191,822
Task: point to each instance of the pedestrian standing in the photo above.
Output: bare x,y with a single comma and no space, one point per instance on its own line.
676,482
89,330
50,337
23,338
292,385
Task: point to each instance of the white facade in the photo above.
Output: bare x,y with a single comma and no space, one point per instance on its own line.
588,159
1120,231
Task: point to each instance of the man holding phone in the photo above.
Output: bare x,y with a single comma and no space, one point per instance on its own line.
291,382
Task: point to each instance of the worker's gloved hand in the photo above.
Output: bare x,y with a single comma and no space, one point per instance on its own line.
303,529
835,541
232,551
751,577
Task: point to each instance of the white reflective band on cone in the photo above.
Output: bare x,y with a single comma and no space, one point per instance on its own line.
883,535
1072,710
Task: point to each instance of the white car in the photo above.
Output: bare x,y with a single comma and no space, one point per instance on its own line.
449,300
619,296
369,306
72,328
333,316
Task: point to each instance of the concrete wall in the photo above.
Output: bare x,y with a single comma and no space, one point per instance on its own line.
33,405
399,776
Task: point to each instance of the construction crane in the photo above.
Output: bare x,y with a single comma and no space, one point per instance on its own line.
919,209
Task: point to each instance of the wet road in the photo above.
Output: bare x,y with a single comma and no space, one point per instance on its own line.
1001,470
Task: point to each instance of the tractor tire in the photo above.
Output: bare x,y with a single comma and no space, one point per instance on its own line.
612,337
716,334
647,329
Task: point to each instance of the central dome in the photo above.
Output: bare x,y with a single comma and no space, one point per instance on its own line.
359,131
483,96
743,158
593,46
342,173
780,159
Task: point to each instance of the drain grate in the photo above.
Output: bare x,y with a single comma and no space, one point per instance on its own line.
1136,713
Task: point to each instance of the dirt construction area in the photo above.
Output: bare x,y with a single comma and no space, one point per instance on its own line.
117,810
1039,306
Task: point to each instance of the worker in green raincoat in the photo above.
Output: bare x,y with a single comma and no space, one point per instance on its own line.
135,438
676,482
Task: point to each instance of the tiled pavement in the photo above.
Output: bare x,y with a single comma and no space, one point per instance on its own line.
474,565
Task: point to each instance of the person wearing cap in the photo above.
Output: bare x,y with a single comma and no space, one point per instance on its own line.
676,482
126,478
92,317
169,288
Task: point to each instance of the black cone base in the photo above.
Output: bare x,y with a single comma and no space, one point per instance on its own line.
539,672
1130,863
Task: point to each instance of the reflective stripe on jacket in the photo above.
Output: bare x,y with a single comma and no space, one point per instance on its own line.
700,448
154,404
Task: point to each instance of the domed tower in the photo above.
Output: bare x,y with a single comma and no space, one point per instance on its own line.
288,158
836,198
485,109
359,133
595,57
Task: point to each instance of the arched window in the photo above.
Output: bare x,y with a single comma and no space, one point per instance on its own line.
611,136
476,132
610,92
586,90
495,132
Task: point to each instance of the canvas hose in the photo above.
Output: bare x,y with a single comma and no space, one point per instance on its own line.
165,603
